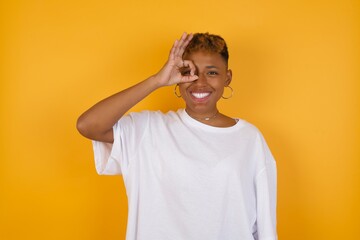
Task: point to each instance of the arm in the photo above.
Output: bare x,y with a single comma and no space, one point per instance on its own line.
97,122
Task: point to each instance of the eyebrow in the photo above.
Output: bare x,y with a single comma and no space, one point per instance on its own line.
211,67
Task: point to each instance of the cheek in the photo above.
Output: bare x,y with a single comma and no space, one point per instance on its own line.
183,87
219,83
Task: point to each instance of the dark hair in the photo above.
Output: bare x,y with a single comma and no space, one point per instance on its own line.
208,43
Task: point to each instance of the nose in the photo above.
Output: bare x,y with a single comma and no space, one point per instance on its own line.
202,80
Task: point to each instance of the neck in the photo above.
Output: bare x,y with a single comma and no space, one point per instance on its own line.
206,118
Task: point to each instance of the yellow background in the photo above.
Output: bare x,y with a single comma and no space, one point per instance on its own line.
296,77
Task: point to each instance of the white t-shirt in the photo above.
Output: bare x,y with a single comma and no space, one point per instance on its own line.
186,180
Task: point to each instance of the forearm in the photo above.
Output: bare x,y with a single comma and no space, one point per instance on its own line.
97,122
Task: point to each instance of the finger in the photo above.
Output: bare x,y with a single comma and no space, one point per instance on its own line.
185,79
173,49
183,46
191,65
184,41
180,43
179,63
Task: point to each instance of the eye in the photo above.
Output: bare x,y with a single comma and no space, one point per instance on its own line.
185,73
212,73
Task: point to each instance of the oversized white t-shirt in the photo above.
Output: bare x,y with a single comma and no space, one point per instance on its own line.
186,180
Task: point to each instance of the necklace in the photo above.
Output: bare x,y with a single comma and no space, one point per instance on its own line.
206,118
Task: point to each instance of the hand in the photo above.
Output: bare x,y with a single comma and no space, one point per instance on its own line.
171,72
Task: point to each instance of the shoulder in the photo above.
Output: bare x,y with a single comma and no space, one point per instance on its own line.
260,144
248,128
150,116
154,114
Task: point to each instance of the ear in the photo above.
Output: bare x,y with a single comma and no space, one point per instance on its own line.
228,77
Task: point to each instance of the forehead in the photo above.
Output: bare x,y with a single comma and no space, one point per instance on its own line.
203,59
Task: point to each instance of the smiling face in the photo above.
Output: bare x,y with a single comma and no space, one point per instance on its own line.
202,95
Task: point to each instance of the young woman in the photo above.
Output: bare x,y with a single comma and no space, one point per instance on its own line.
190,174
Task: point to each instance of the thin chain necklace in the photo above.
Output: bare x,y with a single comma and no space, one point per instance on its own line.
206,118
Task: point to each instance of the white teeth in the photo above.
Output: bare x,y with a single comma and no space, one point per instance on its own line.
200,95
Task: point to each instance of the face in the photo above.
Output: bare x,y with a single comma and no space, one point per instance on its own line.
202,95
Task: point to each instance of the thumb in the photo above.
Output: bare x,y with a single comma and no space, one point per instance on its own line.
189,78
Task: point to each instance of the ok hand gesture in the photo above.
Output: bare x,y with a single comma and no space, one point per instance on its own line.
171,72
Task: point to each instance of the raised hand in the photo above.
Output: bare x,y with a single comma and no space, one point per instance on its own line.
171,72
98,121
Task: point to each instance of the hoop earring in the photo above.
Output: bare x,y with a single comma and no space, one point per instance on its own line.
232,92
176,94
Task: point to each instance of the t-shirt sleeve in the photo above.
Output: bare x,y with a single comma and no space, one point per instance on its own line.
266,187
114,158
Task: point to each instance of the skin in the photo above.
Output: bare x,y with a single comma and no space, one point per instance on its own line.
201,96
96,123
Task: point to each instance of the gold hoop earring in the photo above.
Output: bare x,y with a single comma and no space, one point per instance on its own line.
176,94
232,92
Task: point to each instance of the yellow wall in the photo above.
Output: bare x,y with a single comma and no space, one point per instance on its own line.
296,76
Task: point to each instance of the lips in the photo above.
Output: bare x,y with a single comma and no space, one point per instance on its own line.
200,95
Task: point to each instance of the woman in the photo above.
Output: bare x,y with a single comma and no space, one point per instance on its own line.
194,173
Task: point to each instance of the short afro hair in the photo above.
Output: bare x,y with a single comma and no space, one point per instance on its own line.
209,43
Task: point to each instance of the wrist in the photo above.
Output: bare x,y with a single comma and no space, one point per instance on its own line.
156,81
